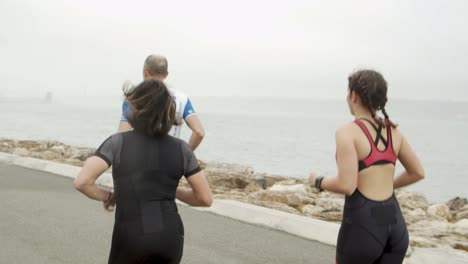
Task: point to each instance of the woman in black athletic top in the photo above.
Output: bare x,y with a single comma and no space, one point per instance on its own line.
373,229
147,165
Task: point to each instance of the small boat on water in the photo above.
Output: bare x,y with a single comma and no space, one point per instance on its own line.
48,97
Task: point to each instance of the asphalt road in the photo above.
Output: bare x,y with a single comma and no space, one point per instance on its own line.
44,220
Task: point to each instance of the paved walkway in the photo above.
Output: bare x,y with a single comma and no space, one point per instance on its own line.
44,220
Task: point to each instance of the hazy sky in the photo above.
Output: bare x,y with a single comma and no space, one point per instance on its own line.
248,48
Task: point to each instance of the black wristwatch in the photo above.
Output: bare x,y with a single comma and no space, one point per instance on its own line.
318,183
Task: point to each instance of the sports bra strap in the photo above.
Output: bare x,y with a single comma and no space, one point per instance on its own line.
379,133
389,133
379,136
366,131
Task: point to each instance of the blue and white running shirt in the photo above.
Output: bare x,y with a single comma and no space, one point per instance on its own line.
184,109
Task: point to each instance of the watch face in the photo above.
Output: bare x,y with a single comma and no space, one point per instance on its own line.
318,183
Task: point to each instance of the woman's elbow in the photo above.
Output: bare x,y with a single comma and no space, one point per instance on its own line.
206,200
349,189
420,174
78,184
81,183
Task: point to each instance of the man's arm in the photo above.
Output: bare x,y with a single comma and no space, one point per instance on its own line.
198,132
194,123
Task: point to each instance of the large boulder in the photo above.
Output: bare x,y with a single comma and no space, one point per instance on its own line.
222,175
21,152
461,214
311,210
426,242
333,215
413,216
295,188
456,242
227,179
461,228
59,149
51,155
330,203
289,199
441,211
430,228
8,145
270,180
78,153
412,200
253,186
30,144
457,203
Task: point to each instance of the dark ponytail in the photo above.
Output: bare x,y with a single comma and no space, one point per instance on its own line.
387,118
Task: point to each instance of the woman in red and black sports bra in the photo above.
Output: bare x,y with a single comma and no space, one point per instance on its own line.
373,229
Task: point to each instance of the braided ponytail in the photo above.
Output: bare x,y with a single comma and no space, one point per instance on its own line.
387,118
366,99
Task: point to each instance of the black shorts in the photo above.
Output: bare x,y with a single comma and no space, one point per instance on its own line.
156,237
371,232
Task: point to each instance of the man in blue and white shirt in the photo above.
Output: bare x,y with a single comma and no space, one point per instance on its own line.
156,67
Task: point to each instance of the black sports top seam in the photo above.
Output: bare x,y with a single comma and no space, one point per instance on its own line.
193,172
102,156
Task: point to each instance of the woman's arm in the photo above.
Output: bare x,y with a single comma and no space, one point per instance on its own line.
199,194
414,170
85,181
347,160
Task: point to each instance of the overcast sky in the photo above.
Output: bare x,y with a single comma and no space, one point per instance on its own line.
247,48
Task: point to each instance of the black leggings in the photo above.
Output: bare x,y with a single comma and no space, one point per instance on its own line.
158,237
372,232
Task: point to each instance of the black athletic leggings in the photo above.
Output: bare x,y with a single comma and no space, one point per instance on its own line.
156,236
372,232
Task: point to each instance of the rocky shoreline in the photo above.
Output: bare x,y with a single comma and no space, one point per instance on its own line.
431,225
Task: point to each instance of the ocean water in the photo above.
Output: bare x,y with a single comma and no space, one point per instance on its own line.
281,136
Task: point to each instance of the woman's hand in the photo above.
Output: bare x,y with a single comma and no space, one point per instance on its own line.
110,203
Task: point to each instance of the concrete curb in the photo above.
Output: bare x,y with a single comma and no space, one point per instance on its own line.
305,227
60,169
301,226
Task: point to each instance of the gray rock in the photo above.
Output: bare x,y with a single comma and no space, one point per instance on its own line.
461,228
412,200
457,203
296,188
441,211
21,152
